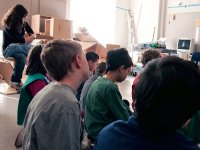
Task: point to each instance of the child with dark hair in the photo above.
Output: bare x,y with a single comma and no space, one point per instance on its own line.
167,96
93,60
192,129
147,56
100,71
17,35
35,81
104,102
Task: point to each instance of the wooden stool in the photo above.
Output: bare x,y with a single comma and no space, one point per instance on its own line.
6,71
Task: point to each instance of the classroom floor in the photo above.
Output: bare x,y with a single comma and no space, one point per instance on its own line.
8,108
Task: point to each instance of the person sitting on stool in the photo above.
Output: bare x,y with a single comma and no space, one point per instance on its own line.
16,43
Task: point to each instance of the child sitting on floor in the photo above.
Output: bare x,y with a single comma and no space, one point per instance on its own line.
36,80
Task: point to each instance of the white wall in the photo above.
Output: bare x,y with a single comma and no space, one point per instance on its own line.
180,22
68,2
146,14
55,8
121,23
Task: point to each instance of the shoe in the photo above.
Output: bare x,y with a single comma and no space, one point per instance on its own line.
19,139
16,85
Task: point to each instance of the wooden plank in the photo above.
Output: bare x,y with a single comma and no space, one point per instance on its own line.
39,36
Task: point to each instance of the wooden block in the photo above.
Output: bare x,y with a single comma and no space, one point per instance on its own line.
61,29
35,23
112,46
6,70
47,26
6,89
47,37
38,23
42,33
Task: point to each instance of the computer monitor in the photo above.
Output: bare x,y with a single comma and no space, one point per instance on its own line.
185,47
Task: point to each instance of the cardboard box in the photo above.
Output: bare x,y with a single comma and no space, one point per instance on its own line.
61,29
94,46
85,37
88,46
38,23
101,50
112,46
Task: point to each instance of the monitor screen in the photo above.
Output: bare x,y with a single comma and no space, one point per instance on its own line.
184,44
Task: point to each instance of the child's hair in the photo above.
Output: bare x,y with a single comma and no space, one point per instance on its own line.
92,56
101,68
13,19
116,58
34,62
126,102
167,94
58,56
149,55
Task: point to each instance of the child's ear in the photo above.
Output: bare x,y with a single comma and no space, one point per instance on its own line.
78,60
90,62
121,68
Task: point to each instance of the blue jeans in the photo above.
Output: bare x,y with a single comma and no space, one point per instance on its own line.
19,52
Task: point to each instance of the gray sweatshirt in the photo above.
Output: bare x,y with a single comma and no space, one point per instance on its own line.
53,120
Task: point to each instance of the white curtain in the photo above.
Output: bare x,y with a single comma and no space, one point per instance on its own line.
97,16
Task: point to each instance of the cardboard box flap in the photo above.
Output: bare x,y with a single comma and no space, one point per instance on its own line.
85,37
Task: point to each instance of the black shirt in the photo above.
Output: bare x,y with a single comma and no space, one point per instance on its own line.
14,36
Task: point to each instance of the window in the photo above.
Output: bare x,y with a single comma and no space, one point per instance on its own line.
97,16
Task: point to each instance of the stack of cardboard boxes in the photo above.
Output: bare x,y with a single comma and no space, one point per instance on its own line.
89,43
47,27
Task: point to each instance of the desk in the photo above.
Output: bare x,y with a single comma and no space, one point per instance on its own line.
169,51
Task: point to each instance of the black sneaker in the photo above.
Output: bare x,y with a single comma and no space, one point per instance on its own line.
19,139
16,85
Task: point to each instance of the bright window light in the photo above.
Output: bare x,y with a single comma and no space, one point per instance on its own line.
97,16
